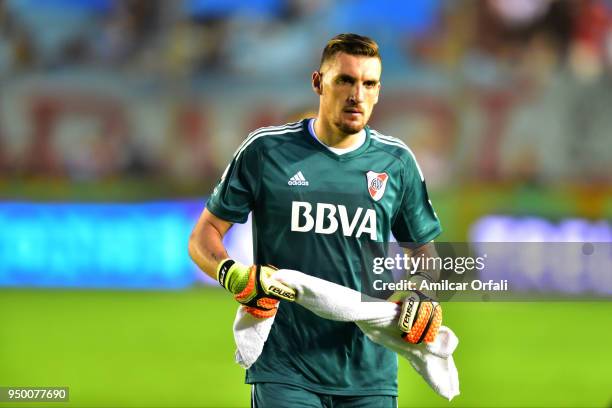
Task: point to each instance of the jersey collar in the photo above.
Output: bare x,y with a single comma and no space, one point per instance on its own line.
323,149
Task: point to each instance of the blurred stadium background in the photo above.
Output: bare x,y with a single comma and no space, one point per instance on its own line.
117,117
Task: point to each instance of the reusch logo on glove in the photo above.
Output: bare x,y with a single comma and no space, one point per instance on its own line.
410,307
282,293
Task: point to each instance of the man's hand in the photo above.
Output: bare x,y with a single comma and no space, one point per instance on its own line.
420,317
254,287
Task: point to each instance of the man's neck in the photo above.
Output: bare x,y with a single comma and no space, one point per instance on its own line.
327,135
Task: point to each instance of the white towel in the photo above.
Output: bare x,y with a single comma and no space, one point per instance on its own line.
377,319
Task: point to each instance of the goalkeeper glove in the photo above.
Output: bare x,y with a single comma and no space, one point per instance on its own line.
254,287
420,317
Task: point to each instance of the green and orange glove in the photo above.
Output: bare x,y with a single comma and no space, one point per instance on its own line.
254,287
420,317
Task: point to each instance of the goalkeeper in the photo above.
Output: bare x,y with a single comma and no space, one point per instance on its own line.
323,192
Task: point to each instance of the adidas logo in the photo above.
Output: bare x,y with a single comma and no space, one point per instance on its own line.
298,180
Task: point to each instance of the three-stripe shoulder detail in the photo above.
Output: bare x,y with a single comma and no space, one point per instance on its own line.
261,132
390,140
267,131
393,141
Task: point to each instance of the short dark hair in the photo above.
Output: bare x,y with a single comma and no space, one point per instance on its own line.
352,44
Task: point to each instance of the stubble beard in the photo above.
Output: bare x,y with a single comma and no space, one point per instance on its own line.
349,128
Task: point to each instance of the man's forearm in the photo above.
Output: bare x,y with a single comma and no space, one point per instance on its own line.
252,286
207,250
428,271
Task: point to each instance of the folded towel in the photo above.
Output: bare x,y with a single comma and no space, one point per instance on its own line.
377,319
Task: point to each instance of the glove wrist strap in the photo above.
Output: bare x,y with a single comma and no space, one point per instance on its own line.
231,275
223,271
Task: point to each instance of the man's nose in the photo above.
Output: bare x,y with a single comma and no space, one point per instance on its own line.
357,93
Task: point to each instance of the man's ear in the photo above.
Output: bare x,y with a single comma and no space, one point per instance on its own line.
317,82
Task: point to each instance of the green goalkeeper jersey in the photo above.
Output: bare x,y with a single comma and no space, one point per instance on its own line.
326,215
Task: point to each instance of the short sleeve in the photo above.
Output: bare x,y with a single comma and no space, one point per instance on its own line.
416,220
234,196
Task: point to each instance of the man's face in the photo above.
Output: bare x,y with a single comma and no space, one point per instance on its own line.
349,90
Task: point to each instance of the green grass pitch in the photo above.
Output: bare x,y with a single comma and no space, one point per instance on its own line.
156,349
